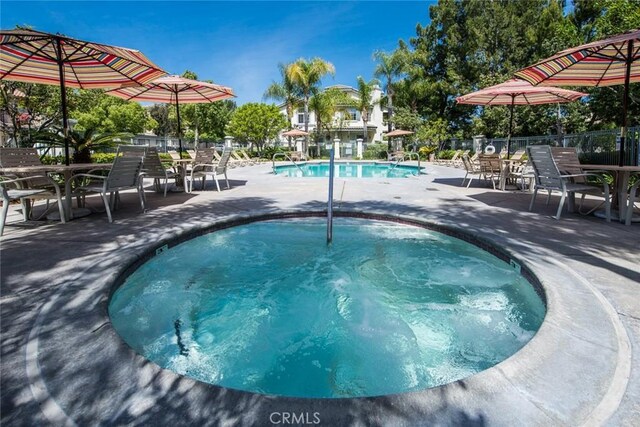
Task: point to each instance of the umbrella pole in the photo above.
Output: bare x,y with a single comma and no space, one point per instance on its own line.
513,100
63,100
179,128
625,103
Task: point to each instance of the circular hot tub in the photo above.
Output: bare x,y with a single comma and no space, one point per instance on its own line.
268,307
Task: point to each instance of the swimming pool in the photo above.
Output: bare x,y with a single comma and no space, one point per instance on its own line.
267,307
348,170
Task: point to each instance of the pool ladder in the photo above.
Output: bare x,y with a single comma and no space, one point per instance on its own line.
286,156
409,156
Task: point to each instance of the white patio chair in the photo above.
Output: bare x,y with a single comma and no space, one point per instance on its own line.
124,175
19,157
214,170
472,169
634,196
152,166
18,189
549,178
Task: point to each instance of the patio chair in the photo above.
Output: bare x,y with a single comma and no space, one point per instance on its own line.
566,158
490,168
548,177
518,155
457,163
152,166
523,172
214,170
174,155
192,153
634,196
472,169
124,175
18,157
18,189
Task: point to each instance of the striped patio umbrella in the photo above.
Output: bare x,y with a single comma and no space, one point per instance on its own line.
608,62
36,57
175,90
518,92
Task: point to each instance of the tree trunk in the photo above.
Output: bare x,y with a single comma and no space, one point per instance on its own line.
365,119
82,156
306,124
389,111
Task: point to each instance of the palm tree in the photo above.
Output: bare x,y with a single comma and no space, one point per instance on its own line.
306,76
365,92
389,66
285,92
325,105
83,142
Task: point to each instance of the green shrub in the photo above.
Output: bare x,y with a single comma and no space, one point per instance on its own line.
446,154
52,160
268,152
103,157
375,152
425,150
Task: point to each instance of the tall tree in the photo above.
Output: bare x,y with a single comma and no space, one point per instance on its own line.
329,107
110,114
256,123
285,92
389,67
365,101
30,109
306,76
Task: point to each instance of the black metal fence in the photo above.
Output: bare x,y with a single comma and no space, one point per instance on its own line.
598,147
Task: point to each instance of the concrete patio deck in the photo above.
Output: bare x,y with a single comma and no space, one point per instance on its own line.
63,364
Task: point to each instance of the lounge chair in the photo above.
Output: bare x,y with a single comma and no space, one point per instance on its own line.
549,178
518,155
453,161
238,160
214,170
192,153
251,160
19,157
124,175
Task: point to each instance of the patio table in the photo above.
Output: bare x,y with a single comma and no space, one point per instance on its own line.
621,176
181,166
66,170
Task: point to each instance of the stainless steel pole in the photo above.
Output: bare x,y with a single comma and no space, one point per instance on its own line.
330,201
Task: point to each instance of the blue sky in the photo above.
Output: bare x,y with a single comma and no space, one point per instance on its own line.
237,44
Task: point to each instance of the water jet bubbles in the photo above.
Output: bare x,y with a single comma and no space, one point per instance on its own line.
268,307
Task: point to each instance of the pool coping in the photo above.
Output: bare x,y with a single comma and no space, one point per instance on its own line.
515,391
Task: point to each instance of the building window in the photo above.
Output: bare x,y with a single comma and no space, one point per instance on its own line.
352,114
300,117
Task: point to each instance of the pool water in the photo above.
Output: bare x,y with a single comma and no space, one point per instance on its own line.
268,307
348,170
